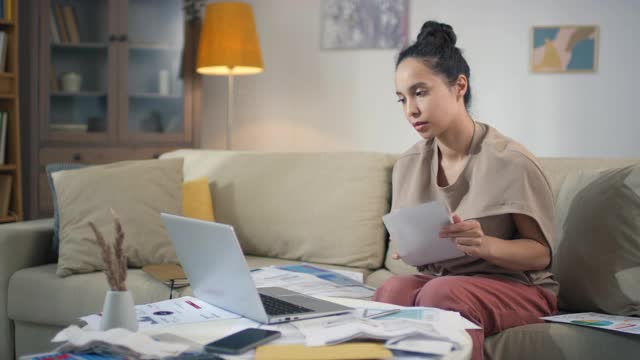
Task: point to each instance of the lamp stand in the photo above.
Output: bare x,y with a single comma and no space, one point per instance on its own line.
229,109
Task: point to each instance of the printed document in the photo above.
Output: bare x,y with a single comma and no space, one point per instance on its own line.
415,234
625,324
311,280
186,309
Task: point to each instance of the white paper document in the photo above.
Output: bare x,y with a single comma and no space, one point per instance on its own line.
434,315
625,324
182,310
415,234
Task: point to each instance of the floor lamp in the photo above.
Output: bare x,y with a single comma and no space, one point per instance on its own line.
229,46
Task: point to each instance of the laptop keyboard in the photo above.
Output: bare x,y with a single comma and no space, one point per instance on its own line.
274,306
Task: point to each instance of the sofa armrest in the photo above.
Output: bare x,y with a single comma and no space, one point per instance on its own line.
22,245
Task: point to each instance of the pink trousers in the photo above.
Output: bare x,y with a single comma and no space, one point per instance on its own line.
494,305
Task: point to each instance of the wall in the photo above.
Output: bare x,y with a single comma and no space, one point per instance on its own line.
310,99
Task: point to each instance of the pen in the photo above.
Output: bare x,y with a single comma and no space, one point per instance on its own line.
381,314
342,319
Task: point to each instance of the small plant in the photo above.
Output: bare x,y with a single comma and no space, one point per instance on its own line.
192,8
115,261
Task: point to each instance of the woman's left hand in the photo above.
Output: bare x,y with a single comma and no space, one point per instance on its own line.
468,237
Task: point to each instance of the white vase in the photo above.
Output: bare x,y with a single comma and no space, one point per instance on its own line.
119,311
71,81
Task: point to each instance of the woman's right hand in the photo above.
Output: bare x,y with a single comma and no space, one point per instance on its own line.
395,256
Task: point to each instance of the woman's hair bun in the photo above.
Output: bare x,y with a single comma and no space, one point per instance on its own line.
435,34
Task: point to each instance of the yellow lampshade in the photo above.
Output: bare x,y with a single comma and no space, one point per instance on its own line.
229,41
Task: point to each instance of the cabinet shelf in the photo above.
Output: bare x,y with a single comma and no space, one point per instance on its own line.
8,219
4,22
154,96
8,167
8,96
7,75
79,94
153,47
82,45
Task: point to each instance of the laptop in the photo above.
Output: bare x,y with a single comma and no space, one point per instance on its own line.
211,257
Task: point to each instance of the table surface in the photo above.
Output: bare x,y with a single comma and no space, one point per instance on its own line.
205,332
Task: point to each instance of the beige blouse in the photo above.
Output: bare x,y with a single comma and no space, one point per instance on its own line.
500,178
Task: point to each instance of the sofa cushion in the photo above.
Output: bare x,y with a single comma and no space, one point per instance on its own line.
138,191
557,169
324,208
62,300
597,259
560,341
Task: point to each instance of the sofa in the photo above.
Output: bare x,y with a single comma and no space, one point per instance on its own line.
319,208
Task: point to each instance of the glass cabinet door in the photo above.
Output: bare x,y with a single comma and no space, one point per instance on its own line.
78,57
154,103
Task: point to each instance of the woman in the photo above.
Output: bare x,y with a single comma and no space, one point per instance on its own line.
500,199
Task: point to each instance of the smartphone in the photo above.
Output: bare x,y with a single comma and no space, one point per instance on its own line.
242,341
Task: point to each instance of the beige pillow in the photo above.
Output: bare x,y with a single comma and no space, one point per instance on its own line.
597,260
138,191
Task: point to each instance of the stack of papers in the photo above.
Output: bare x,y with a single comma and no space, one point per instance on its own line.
312,280
429,330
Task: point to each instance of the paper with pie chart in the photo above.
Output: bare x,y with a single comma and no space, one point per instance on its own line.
625,324
182,310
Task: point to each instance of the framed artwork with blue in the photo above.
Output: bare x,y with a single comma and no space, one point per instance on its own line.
564,49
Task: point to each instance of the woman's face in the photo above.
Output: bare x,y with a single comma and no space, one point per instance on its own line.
428,101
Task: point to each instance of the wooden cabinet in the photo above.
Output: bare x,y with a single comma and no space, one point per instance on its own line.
115,81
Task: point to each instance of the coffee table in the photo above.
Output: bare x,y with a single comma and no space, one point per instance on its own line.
206,332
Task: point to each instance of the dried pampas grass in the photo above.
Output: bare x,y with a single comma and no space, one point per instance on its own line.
115,261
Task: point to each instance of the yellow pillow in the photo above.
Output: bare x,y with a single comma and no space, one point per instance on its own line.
196,199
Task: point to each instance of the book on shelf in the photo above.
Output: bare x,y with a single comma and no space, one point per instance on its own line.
62,28
5,194
7,10
55,33
4,119
4,39
71,23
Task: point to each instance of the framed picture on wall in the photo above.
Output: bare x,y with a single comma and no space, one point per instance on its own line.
564,48
364,24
